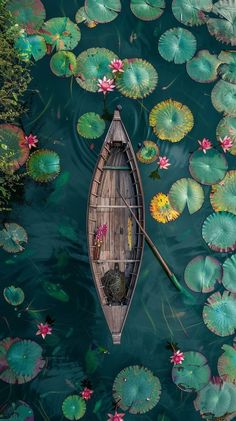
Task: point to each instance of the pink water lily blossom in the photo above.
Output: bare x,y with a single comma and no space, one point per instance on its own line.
44,330
117,66
226,143
86,393
116,417
106,85
205,144
163,163
31,141
177,357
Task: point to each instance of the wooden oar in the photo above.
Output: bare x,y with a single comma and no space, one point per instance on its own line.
155,251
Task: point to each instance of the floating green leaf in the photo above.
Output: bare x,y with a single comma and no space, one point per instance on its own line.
193,374
217,400
74,407
56,291
203,67
29,14
224,27
13,238
102,11
81,16
219,313
208,168
219,231
186,192
223,194
178,45
63,64
17,411
227,70
227,364
91,126
227,127
14,296
229,274
61,33
13,150
202,273
147,9
148,153
191,12
43,165
31,46
223,97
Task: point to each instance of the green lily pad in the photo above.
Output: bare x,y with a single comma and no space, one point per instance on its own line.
227,127
219,313
31,46
229,274
13,151
18,411
208,168
29,14
186,192
14,296
223,194
219,231
178,45
227,364
227,70
56,291
223,28
13,238
217,400
81,16
193,374
203,67
102,11
202,273
223,97
63,64
43,165
147,9
148,153
91,126
191,12
61,33
74,407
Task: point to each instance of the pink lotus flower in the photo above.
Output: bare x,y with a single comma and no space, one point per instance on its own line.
177,357
226,143
163,163
205,144
101,232
31,141
116,417
44,330
86,393
105,85
117,66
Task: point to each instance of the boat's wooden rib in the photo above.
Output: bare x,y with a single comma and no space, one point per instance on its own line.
116,173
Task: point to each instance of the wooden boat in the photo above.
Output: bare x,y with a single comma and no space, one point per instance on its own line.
115,262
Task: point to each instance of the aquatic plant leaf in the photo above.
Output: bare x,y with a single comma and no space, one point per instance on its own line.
13,151
18,411
229,274
148,153
81,16
227,364
43,165
91,126
138,80
31,46
216,400
224,27
193,374
102,11
178,45
13,238
136,390
74,407
191,12
154,175
93,64
223,194
208,168
171,120
186,192
14,296
29,14
223,97
227,70
63,64
202,273
227,127
219,313
91,361
147,9
61,33
203,67
56,291
219,231
161,209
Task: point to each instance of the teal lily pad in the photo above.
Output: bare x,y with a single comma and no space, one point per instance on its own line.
61,33
217,400
223,27
13,238
13,150
148,153
178,45
14,295
227,69
63,64
91,126
229,274
31,46
193,374
227,364
223,97
29,14
17,411
219,313
147,9
227,127
74,407
56,291
208,168
102,11
202,273
191,12
219,231
43,165
186,192
81,16
223,194
203,67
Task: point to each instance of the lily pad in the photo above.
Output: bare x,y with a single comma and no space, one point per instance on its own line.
219,313
31,46
13,151
56,291
209,168
229,274
186,192
193,374
147,9
81,16
29,14
74,407
18,411
178,45
138,79
227,127
217,400
227,364
13,238
223,194
223,28
203,67
93,64
148,153
161,209
102,11
219,231
191,12
202,273
227,70
61,33
223,97
63,64
14,295
91,126
43,165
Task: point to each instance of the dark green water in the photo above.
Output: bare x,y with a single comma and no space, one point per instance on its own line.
55,219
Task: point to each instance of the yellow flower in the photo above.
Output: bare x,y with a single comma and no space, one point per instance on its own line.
161,209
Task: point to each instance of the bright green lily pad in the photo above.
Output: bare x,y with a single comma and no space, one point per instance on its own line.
13,150
63,64
81,16
31,46
186,192
29,14
178,45
147,9
202,273
14,295
102,11
74,407
227,364
227,127
219,313
191,12
61,33
229,274
43,165
13,238
223,194
223,97
208,168
91,126
203,67
219,231
193,374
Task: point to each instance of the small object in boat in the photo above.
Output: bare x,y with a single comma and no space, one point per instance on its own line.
114,283
130,239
